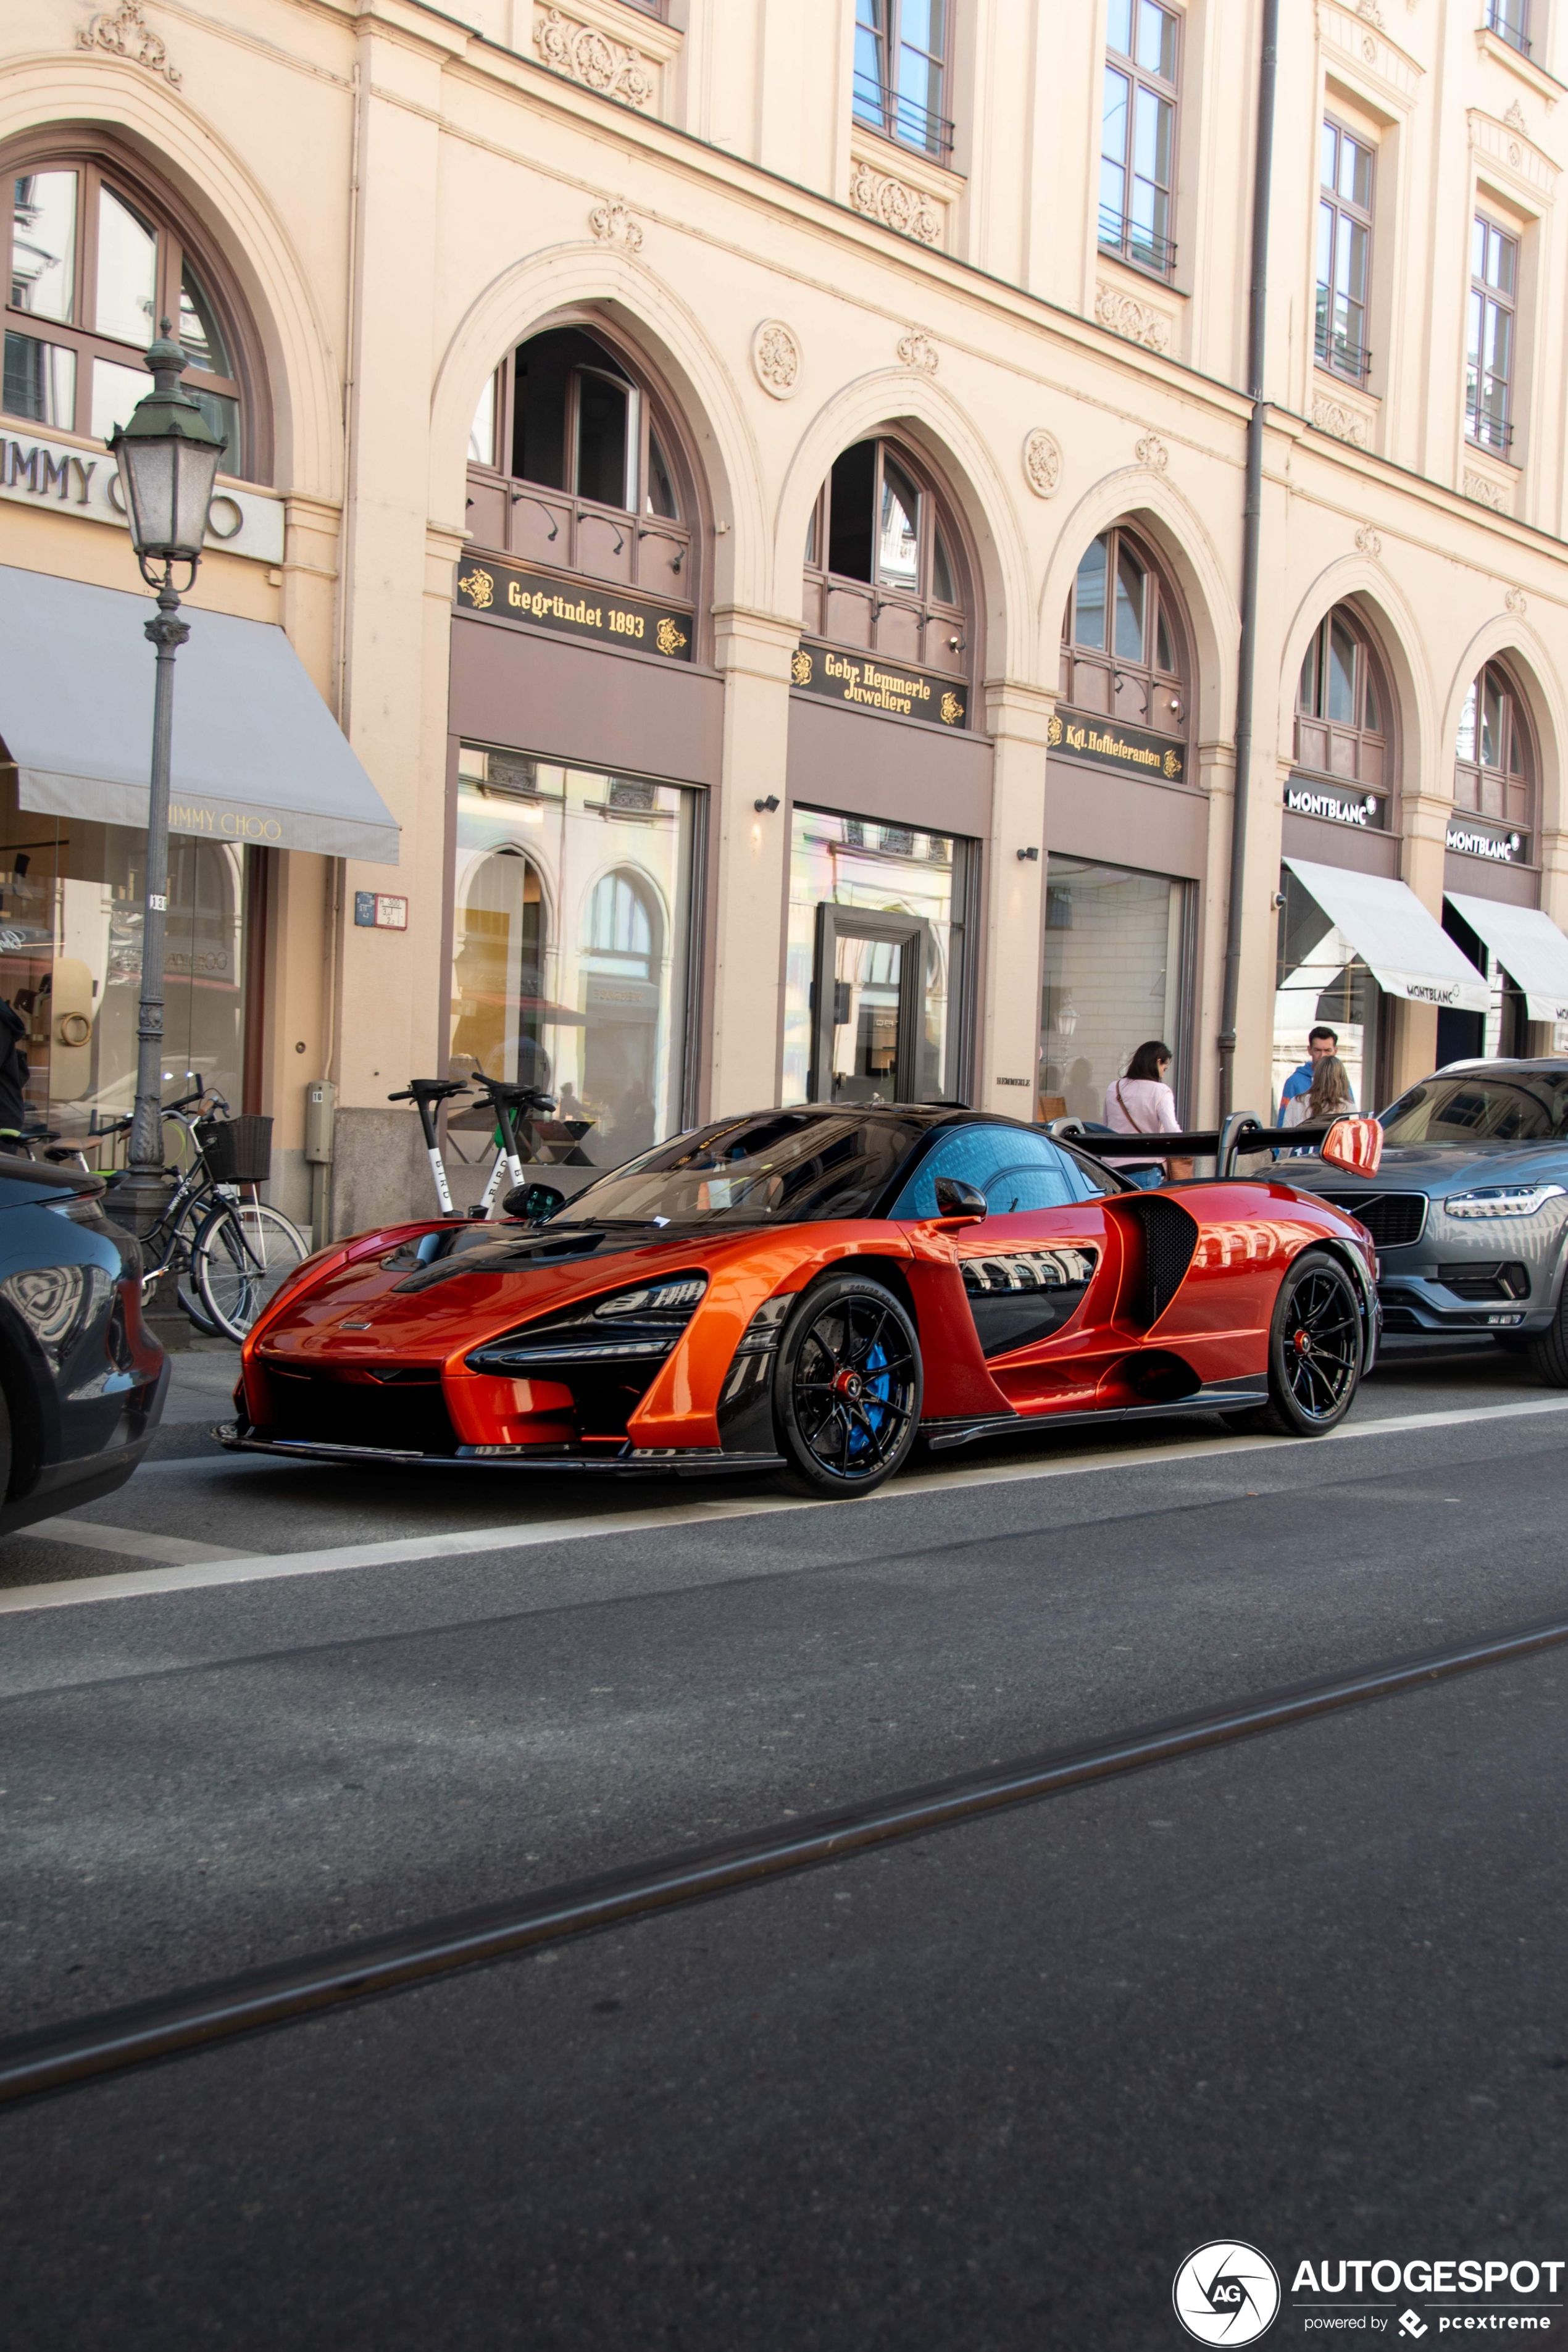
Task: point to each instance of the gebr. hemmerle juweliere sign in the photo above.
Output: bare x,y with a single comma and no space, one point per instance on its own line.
867,683
602,613
1130,748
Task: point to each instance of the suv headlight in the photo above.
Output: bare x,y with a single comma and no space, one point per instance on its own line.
1503,1200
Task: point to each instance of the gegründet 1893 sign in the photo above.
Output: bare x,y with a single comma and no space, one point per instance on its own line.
867,683
1130,748
599,613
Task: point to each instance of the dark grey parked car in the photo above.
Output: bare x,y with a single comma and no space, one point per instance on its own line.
1470,1209
81,1378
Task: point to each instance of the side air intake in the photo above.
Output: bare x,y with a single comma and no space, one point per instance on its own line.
1170,1237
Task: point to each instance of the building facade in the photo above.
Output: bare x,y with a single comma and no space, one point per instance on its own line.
759,490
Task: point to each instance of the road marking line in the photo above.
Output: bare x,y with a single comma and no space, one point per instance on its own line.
242,1567
132,1543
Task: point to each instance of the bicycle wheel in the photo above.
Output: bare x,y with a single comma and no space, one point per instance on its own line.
182,1253
243,1252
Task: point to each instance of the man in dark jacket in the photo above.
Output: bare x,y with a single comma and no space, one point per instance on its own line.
13,1074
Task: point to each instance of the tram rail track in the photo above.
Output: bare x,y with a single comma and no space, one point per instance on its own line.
57,2058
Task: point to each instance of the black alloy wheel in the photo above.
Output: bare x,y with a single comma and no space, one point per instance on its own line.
1314,1351
846,1391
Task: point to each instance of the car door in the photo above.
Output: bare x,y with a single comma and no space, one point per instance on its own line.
1027,1267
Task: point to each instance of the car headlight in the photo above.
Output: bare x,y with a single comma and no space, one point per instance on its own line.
1503,1200
655,1302
645,1324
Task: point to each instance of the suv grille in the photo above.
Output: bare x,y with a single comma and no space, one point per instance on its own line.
1394,1220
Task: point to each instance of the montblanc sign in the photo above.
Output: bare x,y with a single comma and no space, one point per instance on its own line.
1472,840
1360,809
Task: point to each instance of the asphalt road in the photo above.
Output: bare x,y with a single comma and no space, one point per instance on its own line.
985,2087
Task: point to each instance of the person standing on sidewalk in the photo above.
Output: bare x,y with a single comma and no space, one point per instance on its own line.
1142,1104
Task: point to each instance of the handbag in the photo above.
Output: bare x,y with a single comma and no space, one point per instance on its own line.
1176,1170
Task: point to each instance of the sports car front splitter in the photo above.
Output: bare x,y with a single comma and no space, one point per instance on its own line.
647,1462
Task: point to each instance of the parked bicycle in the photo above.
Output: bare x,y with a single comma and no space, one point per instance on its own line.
507,1104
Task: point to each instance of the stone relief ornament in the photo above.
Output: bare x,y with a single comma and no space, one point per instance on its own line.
124,33
1514,118
1125,315
1041,462
1484,490
1344,424
1151,452
613,224
1516,601
775,357
1367,540
917,351
585,54
908,211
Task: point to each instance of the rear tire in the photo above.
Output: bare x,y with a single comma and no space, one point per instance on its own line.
846,1387
1314,1353
1548,1351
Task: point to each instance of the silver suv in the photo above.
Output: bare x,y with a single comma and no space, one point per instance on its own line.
1470,1209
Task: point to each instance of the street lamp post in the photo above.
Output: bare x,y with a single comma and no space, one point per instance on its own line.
168,457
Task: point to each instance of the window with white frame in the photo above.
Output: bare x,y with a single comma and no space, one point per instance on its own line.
901,71
1345,253
1490,350
1138,134
1510,20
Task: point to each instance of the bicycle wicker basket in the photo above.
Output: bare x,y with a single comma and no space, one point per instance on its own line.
236,1150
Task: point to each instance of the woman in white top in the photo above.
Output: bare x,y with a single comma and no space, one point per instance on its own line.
1142,1104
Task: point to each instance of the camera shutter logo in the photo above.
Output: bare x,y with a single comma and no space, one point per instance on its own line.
1226,2293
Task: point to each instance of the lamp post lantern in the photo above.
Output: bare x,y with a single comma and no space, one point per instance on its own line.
168,458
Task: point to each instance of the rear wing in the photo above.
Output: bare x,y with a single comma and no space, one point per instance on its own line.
1235,1137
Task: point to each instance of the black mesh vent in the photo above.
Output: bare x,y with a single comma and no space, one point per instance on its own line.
402,1419
1170,1237
1393,1219
1479,1278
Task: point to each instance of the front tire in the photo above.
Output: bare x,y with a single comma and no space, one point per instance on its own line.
848,1387
1548,1351
1314,1353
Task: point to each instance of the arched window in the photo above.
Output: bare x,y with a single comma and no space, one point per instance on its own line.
96,263
884,563
619,923
1123,645
573,464
1343,710
1494,757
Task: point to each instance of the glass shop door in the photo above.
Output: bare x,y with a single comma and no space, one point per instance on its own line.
867,1006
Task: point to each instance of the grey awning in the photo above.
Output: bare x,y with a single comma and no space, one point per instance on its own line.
1410,953
1530,947
257,756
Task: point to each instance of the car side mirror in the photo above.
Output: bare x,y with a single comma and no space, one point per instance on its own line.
533,1202
959,1204
1355,1145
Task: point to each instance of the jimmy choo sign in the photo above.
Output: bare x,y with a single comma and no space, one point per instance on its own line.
55,475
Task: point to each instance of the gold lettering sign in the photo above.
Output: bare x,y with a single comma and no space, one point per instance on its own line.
1110,746
867,683
628,622
224,824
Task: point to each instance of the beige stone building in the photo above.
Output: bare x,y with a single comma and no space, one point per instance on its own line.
760,489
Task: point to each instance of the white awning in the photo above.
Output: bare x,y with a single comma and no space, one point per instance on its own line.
1410,953
257,756
1530,947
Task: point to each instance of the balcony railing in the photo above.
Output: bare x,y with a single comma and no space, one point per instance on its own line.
882,107
1135,243
1508,19
1341,355
1490,430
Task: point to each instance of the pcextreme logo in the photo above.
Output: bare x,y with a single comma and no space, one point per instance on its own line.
1226,2293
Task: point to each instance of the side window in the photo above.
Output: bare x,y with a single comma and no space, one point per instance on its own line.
1015,1169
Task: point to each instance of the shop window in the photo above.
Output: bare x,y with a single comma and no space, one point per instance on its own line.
71,962
1343,712
1138,134
1345,253
95,265
1490,346
1123,643
1115,959
901,71
1494,760
573,466
1320,981
876,975
572,947
884,569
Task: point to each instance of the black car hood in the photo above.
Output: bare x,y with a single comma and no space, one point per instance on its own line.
1437,1169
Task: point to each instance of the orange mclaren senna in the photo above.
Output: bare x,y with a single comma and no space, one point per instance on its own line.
816,1291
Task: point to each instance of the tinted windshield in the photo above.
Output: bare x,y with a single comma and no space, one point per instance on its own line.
1480,1107
785,1167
